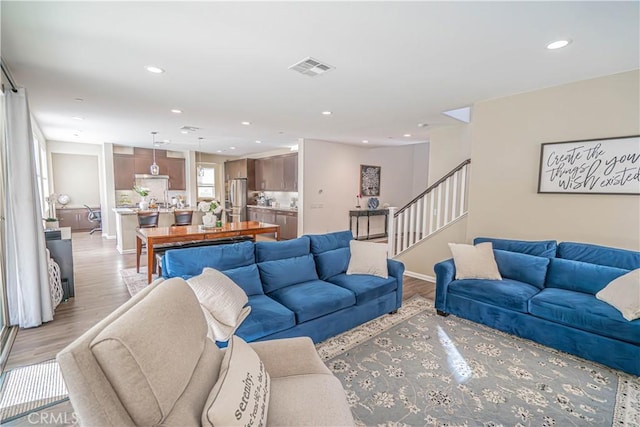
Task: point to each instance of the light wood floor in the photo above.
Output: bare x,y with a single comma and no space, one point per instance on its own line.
99,290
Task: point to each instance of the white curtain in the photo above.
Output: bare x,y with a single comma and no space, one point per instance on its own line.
27,280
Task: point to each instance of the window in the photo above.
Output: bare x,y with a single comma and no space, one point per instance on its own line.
206,181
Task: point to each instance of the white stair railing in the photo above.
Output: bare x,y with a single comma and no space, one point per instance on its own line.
438,206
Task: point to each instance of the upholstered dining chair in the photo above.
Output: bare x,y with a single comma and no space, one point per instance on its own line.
148,220
182,217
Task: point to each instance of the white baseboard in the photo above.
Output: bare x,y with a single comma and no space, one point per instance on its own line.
420,276
108,236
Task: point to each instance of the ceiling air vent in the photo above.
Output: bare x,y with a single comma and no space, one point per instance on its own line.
311,67
189,128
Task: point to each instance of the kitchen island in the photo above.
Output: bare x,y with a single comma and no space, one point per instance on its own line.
127,224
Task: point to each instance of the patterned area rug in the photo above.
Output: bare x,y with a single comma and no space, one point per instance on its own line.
135,281
418,368
30,388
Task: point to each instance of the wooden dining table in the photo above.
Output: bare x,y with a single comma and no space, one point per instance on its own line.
153,237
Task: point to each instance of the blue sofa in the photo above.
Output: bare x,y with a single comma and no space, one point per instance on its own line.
296,287
548,295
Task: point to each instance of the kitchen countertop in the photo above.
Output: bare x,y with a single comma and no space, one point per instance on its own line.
273,208
134,211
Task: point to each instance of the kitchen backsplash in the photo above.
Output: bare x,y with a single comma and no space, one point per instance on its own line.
280,198
130,197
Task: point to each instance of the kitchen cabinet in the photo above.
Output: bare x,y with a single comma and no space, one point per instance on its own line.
290,172
241,168
278,173
173,167
123,171
76,218
288,222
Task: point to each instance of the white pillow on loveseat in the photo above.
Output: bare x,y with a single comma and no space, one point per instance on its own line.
623,294
222,301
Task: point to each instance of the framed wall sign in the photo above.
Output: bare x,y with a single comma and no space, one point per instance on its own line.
369,180
594,166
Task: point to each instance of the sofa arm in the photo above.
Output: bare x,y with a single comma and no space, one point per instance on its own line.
290,356
445,274
396,269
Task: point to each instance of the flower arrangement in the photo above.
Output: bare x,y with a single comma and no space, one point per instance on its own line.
212,206
142,191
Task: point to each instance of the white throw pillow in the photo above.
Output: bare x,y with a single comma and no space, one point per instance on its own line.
623,293
475,262
368,258
223,302
240,397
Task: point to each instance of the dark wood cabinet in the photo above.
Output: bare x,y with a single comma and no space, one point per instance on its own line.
279,173
76,218
241,168
175,168
291,172
123,171
288,222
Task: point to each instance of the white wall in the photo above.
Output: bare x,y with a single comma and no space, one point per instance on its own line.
331,178
81,181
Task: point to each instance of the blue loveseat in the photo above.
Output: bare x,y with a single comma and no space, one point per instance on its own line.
296,287
548,295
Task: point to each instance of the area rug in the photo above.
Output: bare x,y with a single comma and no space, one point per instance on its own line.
135,281
418,368
30,388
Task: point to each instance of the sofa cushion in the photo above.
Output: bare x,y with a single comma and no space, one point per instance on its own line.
474,262
332,262
368,258
248,278
147,378
327,242
522,267
545,248
222,301
190,262
601,255
585,312
580,276
285,272
364,286
507,293
267,317
623,293
269,251
313,299
240,397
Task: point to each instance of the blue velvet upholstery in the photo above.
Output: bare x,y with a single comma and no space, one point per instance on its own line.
545,248
559,305
286,272
287,298
332,262
522,267
601,255
190,262
364,286
561,311
580,276
326,242
248,278
505,293
310,300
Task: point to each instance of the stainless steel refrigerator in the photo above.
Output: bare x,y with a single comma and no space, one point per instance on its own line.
238,199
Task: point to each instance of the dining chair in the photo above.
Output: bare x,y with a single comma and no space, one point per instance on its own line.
147,220
182,217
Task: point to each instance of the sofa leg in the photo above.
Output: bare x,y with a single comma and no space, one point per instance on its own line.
442,313
394,311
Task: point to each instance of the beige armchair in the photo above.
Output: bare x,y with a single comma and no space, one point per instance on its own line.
150,363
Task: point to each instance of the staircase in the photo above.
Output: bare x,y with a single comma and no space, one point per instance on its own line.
441,204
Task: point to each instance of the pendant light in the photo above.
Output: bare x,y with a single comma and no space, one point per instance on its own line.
200,168
154,168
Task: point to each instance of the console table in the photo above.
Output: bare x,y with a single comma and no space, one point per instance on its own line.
357,213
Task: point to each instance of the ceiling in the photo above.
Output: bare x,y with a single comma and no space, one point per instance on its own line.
397,65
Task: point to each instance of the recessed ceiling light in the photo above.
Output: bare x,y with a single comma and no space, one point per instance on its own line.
258,142
153,69
422,125
219,151
407,135
77,118
327,113
176,111
364,141
232,148
184,132
246,123
558,44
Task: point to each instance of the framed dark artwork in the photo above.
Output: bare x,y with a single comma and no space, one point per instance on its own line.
369,180
593,166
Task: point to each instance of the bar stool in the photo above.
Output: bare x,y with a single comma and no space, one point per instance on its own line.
147,220
182,217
